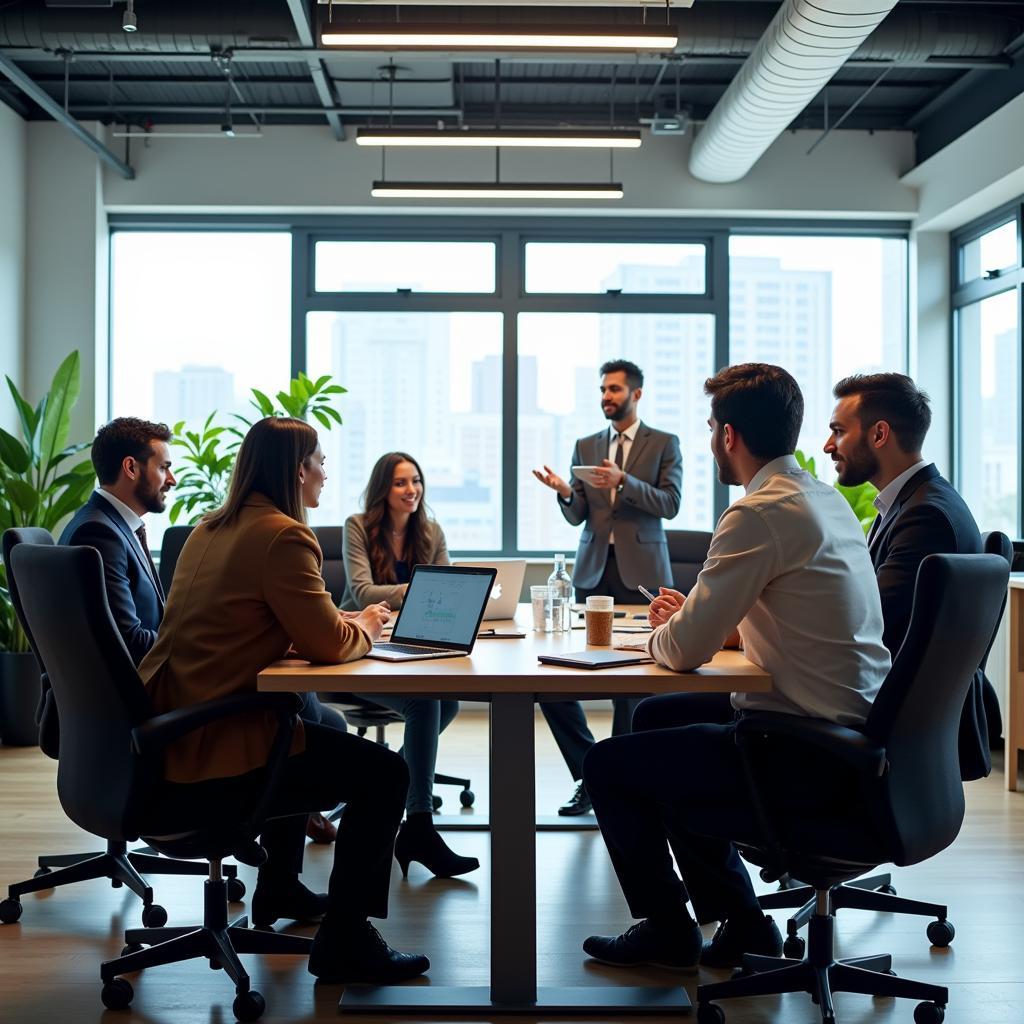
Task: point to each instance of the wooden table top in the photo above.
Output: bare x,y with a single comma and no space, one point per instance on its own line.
511,666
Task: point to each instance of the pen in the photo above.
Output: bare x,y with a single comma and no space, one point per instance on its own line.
646,593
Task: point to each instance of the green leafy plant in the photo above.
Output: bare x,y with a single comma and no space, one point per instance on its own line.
40,483
209,454
861,498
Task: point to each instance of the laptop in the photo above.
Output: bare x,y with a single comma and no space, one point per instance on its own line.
440,615
508,585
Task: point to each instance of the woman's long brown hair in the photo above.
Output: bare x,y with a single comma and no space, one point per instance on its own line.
376,520
268,462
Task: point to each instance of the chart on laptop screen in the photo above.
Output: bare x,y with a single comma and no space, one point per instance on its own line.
443,607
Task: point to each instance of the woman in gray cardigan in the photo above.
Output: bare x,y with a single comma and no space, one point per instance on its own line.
382,544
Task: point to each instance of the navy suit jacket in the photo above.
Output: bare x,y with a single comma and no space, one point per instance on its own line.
135,597
929,517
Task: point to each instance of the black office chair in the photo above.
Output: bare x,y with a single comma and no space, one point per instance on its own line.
117,863
364,715
1018,556
109,770
170,548
877,892
687,553
904,762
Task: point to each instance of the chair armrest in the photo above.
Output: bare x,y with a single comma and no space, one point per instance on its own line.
156,733
847,745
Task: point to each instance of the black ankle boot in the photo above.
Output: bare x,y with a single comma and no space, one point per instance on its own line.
419,840
285,898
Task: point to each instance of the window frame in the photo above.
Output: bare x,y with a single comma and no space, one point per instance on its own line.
510,233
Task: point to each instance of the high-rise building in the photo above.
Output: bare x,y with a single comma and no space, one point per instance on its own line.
192,393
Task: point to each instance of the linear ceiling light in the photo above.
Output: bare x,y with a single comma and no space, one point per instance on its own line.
493,190
520,37
541,138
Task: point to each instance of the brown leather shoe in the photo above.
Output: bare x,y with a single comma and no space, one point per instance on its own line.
320,830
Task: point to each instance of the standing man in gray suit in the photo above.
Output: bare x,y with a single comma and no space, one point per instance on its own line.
623,543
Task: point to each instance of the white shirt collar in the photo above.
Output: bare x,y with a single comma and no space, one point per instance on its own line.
133,520
887,496
783,464
629,434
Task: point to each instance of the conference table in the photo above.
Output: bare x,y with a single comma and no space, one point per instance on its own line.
1015,680
506,674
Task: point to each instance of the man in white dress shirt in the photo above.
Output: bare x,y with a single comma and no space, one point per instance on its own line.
789,570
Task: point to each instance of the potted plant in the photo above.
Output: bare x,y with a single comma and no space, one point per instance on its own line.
40,485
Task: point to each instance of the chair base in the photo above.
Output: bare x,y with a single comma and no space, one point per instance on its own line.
217,940
820,974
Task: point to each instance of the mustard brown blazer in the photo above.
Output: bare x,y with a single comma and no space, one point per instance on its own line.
242,595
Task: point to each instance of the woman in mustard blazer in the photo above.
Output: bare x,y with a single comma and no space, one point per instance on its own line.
247,588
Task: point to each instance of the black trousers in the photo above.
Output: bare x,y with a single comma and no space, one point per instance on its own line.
335,766
567,719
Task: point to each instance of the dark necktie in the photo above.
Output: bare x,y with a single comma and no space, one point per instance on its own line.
619,460
141,534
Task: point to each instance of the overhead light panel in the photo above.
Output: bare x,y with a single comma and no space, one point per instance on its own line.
540,138
494,190
406,36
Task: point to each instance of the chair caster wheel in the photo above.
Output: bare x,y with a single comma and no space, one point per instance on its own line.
929,1013
214,964
435,802
116,883
889,890
710,1013
10,911
117,994
248,1006
236,890
42,871
131,947
466,797
940,933
794,947
153,916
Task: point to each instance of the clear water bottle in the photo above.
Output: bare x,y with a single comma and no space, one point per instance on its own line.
560,583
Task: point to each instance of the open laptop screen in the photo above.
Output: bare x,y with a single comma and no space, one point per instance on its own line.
443,606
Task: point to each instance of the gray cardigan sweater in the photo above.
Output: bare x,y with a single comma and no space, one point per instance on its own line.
360,587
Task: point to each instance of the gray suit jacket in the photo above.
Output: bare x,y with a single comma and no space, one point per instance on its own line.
652,491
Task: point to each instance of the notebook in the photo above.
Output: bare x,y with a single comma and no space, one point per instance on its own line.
596,659
507,586
440,615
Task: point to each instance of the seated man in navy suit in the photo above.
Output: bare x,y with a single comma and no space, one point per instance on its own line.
876,434
132,459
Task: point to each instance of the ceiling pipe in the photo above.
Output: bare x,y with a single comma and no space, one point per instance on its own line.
803,47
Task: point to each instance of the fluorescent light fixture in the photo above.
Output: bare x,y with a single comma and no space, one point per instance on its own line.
494,190
405,36
541,138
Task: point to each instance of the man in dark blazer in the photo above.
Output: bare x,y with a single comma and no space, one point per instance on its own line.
876,434
132,459
638,484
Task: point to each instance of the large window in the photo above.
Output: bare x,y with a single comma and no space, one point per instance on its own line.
475,345
987,329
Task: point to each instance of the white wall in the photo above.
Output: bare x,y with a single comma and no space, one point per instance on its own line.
851,175
13,150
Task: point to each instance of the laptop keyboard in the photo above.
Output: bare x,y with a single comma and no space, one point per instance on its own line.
404,648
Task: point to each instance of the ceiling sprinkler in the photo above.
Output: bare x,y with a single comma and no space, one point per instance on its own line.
128,22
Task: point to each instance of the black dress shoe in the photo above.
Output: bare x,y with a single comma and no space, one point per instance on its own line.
361,955
290,900
677,949
734,938
578,803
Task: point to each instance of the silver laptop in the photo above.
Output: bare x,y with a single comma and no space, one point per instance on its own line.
440,615
508,585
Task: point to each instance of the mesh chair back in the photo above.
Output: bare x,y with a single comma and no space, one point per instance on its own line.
916,715
99,695
170,549
687,552
332,543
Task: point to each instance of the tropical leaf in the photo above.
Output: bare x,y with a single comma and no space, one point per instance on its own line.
23,494
57,414
14,454
28,416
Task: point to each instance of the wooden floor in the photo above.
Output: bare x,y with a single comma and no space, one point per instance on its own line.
49,961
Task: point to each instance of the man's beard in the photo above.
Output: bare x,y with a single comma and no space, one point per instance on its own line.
726,474
858,466
618,412
151,498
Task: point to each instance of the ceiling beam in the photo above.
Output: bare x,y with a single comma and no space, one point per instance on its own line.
304,30
50,105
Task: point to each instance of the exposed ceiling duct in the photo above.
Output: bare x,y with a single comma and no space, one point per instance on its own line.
803,47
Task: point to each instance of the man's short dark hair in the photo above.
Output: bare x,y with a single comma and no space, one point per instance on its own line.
762,403
123,437
634,375
892,397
